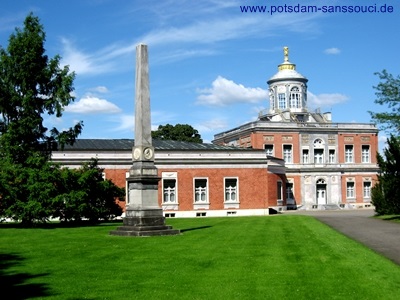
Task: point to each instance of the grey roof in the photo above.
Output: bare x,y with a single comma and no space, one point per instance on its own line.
127,144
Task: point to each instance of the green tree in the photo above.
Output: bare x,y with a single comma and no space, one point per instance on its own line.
84,194
31,86
179,132
388,93
385,195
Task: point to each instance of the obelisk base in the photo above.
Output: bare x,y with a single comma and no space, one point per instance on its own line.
144,222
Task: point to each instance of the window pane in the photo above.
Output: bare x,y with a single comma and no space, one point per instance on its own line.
279,187
281,101
287,153
169,190
200,190
349,153
350,190
269,149
367,189
365,154
230,189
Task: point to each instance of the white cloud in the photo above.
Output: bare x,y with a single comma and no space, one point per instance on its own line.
332,51
224,92
126,122
210,27
82,63
99,89
213,125
325,100
93,105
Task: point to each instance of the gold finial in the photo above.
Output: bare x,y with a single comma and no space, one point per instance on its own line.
286,65
286,53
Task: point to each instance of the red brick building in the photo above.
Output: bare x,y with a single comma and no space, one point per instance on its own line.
196,179
327,164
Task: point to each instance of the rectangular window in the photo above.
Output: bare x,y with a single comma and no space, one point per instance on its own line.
365,154
305,156
279,190
348,153
289,190
287,153
169,190
281,101
269,150
367,189
231,190
350,190
332,156
318,156
200,191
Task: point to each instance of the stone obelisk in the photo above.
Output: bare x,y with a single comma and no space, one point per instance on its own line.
143,216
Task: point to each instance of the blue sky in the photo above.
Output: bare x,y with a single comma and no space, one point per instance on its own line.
209,62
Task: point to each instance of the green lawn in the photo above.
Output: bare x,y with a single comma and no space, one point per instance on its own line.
275,257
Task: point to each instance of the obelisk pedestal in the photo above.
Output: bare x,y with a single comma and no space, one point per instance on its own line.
143,216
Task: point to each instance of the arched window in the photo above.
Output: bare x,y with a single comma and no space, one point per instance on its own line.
319,151
295,98
281,101
272,99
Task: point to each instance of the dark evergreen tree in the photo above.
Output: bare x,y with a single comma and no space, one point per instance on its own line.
31,87
385,194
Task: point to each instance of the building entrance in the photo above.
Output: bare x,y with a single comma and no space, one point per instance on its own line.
321,192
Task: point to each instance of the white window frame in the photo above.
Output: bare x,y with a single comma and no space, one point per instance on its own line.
169,205
279,190
305,156
350,190
295,98
269,152
332,156
367,185
289,190
365,155
349,153
287,155
282,101
205,191
231,190
169,191
318,156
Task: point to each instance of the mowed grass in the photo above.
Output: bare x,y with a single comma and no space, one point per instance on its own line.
274,257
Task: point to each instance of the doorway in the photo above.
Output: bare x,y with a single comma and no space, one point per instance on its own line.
321,192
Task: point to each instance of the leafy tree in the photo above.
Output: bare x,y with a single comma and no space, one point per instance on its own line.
84,194
388,93
179,132
385,195
32,188
27,192
31,86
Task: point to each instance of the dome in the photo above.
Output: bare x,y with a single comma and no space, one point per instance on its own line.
287,70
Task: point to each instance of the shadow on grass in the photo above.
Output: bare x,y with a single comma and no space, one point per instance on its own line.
195,228
15,285
55,225
391,218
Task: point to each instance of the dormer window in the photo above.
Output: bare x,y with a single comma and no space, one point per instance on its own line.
281,101
295,98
